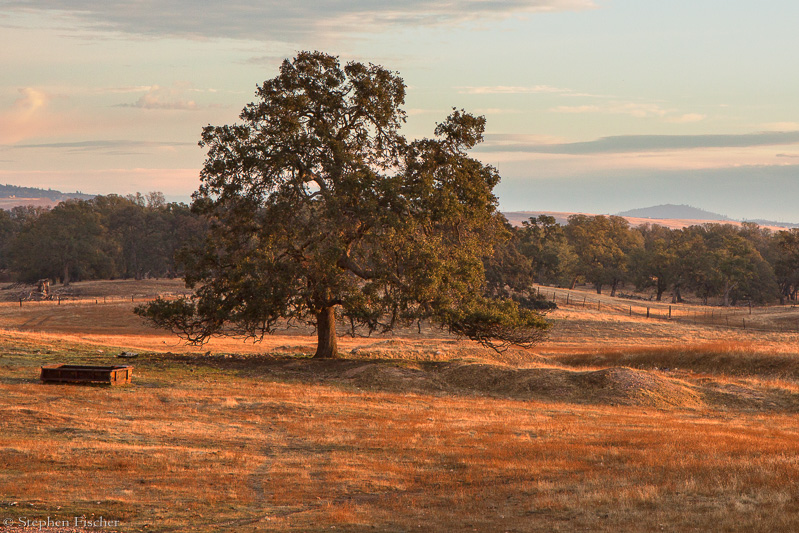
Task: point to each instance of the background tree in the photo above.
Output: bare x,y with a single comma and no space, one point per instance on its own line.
654,263
717,261
603,246
7,235
316,203
543,241
510,273
67,243
786,263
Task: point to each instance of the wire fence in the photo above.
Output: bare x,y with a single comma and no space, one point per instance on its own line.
743,318
748,317
95,300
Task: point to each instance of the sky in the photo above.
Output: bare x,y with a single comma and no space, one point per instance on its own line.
597,106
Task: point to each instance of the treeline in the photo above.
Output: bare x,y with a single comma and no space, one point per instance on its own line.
138,236
106,237
728,263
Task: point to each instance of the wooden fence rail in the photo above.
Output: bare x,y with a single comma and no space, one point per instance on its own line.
744,318
92,300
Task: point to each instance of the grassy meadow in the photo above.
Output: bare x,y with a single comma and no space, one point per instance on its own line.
615,423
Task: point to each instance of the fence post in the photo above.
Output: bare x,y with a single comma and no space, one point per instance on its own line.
567,298
631,310
599,306
583,301
20,302
669,311
647,312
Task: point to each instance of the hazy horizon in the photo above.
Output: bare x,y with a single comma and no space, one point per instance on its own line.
721,216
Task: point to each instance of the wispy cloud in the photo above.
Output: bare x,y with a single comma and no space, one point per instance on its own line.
107,147
496,111
633,109
164,98
642,143
781,126
640,110
523,89
274,19
506,89
687,118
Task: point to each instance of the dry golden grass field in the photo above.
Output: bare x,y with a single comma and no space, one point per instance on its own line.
615,423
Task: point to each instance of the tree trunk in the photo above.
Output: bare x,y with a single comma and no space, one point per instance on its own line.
676,295
613,288
661,288
728,287
66,275
598,287
326,347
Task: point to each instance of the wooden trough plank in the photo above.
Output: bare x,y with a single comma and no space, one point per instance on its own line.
114,375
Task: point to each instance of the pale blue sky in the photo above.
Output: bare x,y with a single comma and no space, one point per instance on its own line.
596,106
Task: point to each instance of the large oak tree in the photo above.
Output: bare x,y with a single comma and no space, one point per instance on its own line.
319,208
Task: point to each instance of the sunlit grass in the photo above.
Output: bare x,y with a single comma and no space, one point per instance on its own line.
254,442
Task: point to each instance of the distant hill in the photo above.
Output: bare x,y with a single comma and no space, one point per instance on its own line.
15,195
671,211
761,222
517,217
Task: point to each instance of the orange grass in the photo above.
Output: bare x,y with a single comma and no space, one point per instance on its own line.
719,357
241,444
265,455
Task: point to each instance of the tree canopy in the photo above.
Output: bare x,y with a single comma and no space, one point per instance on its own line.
319,208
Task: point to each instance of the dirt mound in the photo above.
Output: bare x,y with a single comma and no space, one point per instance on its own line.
394,378
615,386
612,386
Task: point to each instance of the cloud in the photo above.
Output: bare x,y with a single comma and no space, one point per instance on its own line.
633,109
104,147
164,98
123,90
781,126
577,109
31,101
642,143
521,89
496,111
687,118
504,89
275,19
639,110
26,116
